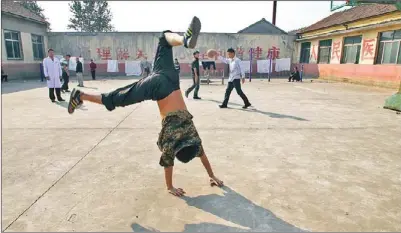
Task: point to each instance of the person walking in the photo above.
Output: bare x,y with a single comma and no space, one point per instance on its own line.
52,71
234,77
79,72
195,77
93,67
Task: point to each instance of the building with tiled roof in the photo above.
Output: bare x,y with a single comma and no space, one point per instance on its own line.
262,27
24,36
16,9
361,44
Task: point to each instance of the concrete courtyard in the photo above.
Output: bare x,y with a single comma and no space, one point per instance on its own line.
312,156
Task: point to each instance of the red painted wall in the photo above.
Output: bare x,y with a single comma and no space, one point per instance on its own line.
381,75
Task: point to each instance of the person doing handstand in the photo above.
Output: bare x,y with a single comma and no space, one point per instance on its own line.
178,137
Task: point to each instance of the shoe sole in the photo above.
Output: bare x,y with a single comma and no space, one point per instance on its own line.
70,102
195,28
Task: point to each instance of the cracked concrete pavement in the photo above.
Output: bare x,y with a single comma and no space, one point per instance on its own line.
306,157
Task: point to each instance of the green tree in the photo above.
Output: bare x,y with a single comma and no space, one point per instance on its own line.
90,16
35,8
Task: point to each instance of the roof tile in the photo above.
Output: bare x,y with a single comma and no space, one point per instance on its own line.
350,15
17,9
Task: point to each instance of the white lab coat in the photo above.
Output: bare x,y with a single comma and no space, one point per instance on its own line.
52,69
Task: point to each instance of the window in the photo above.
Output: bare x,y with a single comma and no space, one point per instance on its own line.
305,52
37,47
352,49
13,44
324,52
389,48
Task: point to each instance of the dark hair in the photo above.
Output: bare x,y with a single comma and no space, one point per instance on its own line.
230,50
196,52
187,153
50,50
68,55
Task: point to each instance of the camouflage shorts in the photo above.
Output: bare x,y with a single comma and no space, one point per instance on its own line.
178,131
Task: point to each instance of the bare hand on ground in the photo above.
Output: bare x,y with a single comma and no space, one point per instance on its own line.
177,192
215,181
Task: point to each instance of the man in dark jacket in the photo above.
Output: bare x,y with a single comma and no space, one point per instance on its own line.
195,77
93,67
295,75
79,71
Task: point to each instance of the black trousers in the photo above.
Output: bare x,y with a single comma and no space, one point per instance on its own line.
294,78
58,93
65,83
158,85
195,86
237,85
93,74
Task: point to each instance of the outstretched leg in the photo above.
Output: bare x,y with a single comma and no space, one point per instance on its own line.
149,87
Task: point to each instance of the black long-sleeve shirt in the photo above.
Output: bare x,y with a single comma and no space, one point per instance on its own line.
79,67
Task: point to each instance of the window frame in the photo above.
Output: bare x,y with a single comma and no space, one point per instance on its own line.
324,47
301,53
384,42
12,40
345,49
36,44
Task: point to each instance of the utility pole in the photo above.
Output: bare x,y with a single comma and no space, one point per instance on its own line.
274,12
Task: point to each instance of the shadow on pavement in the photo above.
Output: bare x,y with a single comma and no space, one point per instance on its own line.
251,109
235,208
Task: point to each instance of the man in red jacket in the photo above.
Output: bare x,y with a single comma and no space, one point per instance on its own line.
93,67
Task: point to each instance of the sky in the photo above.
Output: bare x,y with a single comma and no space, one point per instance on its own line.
216,16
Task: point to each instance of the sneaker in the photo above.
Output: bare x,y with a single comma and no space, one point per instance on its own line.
246,105
197,98
75,101
223,106
53,101
191,35
67,91
61,100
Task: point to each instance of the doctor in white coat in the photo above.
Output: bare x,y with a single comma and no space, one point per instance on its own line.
52,71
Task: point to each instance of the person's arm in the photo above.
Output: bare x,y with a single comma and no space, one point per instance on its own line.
222,59
45,72
197,73
209,171
168,175
238,62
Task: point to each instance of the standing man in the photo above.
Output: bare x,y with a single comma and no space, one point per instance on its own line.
195,77
52,71
66,73
79,72
146,67
234,78
177,66
93,67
